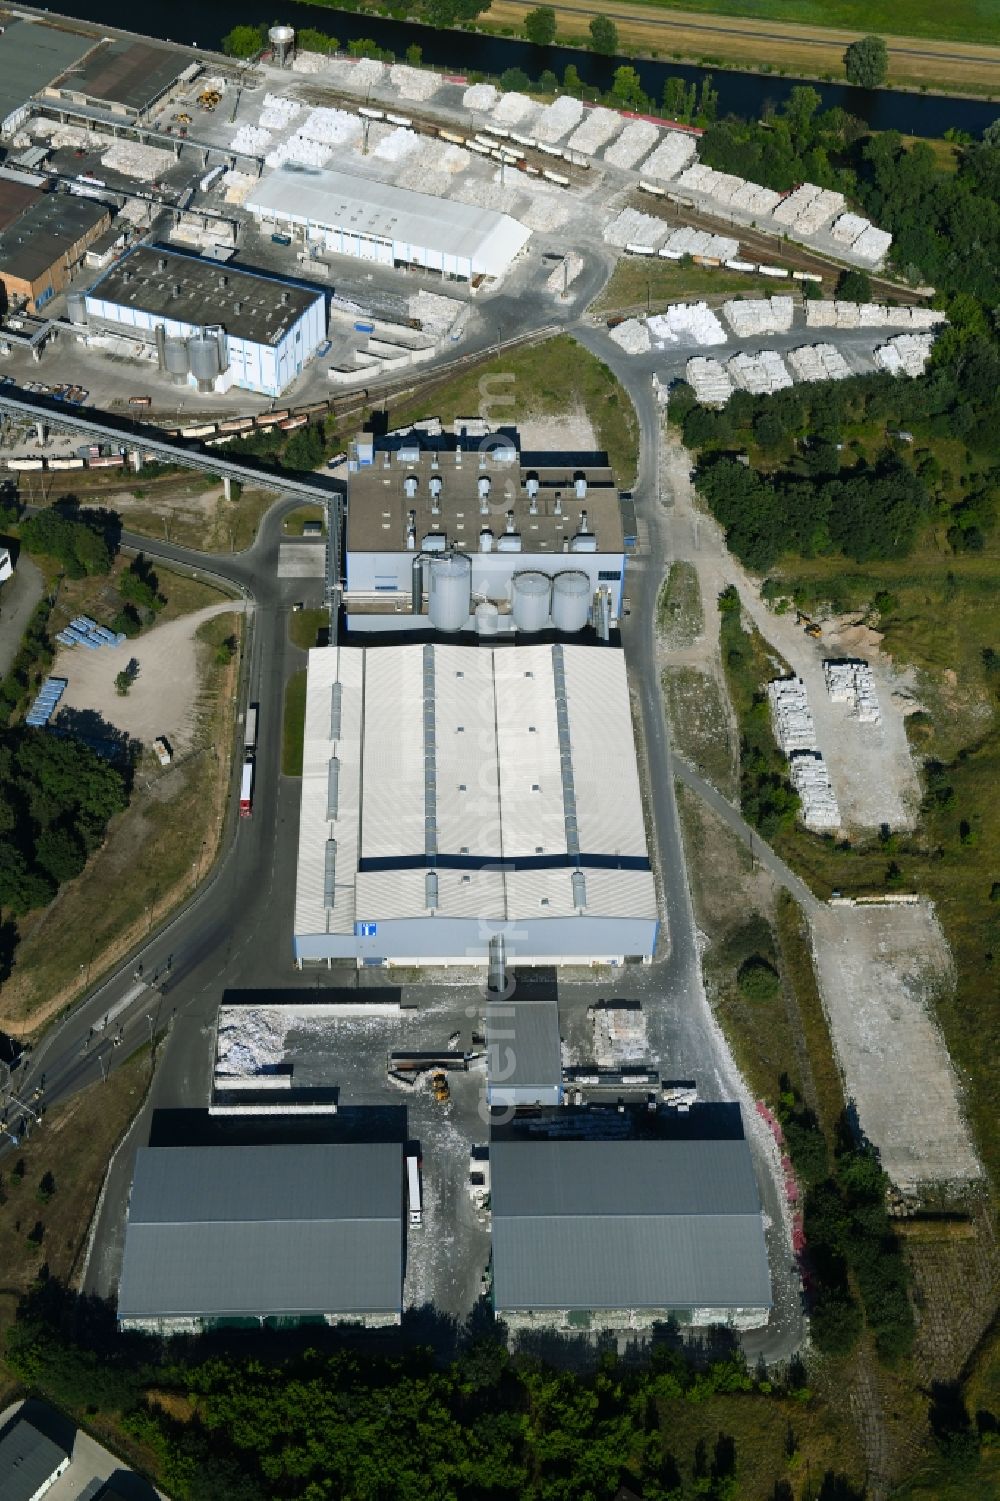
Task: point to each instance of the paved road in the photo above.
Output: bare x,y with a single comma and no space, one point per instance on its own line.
18,597
734,820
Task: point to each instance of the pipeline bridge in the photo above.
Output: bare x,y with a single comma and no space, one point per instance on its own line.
140,439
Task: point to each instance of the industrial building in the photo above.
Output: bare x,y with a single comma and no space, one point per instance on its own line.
241,1235
460,803
462,534
598,1233
30,1462
42,246
210,326
125,78
32,54
523,1054
341,214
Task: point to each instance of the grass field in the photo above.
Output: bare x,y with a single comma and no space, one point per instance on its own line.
74,1144
548,379
296,520
155,852
797,37
641,282
680,619
294,725
699,725
306,628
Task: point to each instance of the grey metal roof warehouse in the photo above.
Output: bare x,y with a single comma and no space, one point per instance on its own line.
45,231
523,1048
131,74
254,1231
28,1461
626,1225
32,54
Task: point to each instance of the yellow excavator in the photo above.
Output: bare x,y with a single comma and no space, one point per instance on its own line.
440,1087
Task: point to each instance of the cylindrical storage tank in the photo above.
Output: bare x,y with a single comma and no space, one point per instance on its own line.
175,357
449,592
487,618
204,355
530,600
570,601
76,307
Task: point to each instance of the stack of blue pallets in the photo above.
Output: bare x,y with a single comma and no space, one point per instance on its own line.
43,708
82,631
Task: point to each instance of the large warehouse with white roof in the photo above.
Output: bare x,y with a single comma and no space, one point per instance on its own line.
457,798
374,221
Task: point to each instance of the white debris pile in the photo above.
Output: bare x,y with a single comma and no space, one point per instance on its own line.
750,316
818,362
561,116
754,199
544,210
250,140
638,137
310,62
688,241
670,157
299,148
331,127
366,74
453,159
565,274
632,336
60,136
791,716
397,144
514,109
761,374
709,380
414,83
237,185
138,211
250,1039
634,228
690,322
852,682
132,159
870,315
847,228
872,245
436,315
480,96
279,111
906,354
595,130
808,208
808,775
620,1035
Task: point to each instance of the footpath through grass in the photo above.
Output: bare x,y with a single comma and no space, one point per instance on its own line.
555,378
642,282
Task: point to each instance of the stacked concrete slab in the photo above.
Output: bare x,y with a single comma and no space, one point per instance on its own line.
710,381
806,210
791,716
817,362
558,119
871,315
670,157
761,374
861,236
851,682
632,336
634,228
595,130
688,241
759,315
808,775
906,354
635,140
690,322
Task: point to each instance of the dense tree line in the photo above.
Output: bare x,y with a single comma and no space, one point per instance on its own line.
798,143
274,1417
56,797
82,541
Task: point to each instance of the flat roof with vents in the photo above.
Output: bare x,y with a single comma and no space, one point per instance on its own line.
184,289
508,775
127,73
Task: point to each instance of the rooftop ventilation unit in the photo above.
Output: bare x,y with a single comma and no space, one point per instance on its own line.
411,530
410,486
510,522
583,521
580,482
485,540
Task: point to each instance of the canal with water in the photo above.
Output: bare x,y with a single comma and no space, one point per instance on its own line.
192,22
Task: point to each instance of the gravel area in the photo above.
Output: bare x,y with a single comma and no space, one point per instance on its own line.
879,970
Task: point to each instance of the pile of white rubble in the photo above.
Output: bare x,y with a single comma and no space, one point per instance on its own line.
632,336
692,322
852,682
906,354
595,130
670,156
635,140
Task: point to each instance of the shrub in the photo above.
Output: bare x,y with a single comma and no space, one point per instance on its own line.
758,979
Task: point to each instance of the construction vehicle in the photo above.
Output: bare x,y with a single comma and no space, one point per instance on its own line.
209,99
440,1087
813,631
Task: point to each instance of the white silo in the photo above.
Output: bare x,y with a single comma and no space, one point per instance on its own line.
449,591
530,600
570,600
281,39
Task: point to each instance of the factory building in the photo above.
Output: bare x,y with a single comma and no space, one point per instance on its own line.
611,1234
339,214
523,1054
466,535
30,1462
461,804
209,325
121,77
41,246
237,1236
32,54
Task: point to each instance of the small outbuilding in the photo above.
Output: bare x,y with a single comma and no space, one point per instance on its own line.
523,1054
30,1462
